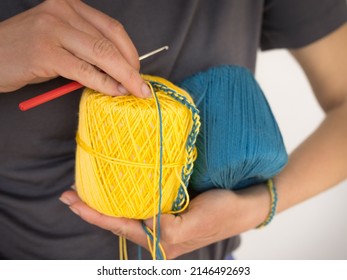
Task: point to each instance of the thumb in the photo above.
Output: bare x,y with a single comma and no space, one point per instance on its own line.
171,227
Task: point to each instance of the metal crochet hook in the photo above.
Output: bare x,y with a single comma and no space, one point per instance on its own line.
60,91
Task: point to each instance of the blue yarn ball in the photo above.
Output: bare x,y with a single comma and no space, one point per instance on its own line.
239,143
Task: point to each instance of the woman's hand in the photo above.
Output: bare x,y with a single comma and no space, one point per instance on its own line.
68,38
212,216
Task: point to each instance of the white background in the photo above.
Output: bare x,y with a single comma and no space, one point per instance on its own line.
317,228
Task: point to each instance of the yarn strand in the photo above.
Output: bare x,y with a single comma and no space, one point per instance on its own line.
160,125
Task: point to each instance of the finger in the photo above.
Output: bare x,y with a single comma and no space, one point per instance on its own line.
172,238
69,197
179,229
79,23
112,29
198,220
73,68
128,228
103,54
65,11
170,228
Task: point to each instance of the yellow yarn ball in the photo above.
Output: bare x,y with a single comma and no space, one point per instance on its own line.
117,157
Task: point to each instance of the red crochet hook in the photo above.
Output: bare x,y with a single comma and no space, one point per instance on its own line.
55,93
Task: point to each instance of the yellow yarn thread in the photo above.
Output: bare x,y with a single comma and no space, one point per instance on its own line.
117,158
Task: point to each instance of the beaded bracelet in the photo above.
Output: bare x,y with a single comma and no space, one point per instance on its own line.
273,194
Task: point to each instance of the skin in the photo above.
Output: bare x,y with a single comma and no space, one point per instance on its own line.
67,44
325,64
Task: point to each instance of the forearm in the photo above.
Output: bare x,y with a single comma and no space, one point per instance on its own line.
318,163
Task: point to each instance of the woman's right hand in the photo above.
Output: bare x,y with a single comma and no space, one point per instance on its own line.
71,39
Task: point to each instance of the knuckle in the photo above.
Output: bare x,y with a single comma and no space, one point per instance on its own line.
132,75
105,80
136,64
94,220
169,236
116,27
121,231
53,4
103,48
74,2
85,69
119,30
60,8
44,21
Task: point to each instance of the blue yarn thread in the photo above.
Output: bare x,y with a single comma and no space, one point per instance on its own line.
239,143
139,252
187,170
160,184
158,252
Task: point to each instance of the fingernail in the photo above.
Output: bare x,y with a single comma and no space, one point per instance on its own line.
122,89
75,211
145,90
65,200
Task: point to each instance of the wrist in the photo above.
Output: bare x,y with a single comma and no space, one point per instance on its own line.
273,204
255,203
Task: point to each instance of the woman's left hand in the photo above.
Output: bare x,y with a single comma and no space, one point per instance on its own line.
212,216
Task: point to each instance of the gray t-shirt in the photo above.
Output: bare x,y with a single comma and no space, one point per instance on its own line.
37,147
